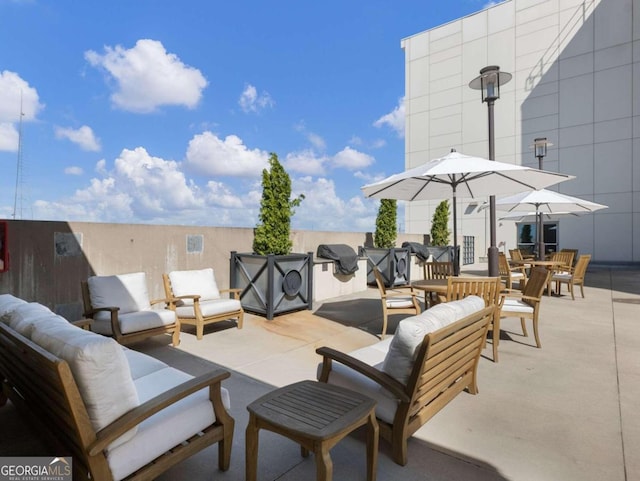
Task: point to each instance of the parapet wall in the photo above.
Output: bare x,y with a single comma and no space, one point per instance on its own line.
47,260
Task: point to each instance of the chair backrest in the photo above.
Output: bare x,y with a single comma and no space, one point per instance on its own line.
581,267
200,282
503,265
379,281
488,288
515,254
575,254
438,270
566,257
126,291
534,287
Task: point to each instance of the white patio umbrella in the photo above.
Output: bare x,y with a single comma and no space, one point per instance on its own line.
546,202
458,174
533,216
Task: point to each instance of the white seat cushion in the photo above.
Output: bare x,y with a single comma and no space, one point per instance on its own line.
210,308
136,321
516,305
399,302
562,276
99,368
195,282
126,291
140,364
517,275
166,429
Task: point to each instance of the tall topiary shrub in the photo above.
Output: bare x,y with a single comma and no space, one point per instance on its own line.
440,225
386,228
272,234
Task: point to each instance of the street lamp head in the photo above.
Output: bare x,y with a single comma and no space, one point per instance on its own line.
540,147
489,82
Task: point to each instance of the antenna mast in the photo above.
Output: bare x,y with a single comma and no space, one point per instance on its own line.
19,164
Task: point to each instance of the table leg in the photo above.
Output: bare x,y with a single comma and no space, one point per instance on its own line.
372,447
251,451
324,465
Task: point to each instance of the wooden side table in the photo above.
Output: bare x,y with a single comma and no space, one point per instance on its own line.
316,416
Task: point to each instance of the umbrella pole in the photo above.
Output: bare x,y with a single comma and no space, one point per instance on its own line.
456,261
540,235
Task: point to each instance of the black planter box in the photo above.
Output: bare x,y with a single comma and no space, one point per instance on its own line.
273,284
394,264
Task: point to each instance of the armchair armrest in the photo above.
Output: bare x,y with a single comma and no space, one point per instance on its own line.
134,417
166,300
83,323
234,290
394,386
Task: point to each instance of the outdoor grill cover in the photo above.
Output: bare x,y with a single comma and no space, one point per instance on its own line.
345,257
420,250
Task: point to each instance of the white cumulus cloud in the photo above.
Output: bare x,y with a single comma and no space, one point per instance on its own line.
352,159
17,99
251,101
394,119
210,155
73,170
147,77
83,137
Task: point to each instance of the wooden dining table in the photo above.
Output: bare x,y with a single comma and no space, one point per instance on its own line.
437,286
549,264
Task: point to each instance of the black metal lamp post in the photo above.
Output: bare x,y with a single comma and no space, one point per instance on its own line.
489,82
540,149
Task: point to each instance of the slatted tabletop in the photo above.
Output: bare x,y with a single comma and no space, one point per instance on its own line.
312,409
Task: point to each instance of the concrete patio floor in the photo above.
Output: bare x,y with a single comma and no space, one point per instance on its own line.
563,412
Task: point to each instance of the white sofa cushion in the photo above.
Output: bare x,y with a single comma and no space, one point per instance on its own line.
7,304
126,291
195,282
21,318
210,308
136,321
410,333
140,364
166,429
99,368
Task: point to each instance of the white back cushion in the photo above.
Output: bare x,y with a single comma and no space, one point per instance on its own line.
126,291
7,304
99,367
21,317
201,282
410,333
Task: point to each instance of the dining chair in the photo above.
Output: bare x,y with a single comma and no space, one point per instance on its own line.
525,303
572,277
510,274
489,289
565,258
400,300
436,270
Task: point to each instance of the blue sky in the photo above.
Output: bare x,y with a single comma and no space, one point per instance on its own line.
164,112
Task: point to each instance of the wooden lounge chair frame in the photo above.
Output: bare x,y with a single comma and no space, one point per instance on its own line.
446,364
389,296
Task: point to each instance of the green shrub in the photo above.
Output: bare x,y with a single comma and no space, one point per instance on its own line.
439,225
272,234
386,228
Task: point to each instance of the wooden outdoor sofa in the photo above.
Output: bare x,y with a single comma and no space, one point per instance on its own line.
88,397
431,359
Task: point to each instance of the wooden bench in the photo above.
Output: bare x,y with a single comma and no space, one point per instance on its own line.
43,388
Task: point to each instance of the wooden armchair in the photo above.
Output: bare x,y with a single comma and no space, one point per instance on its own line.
510,275
488,288
120,307
198,301
445,364
525,304
572,277
436,270
400,300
